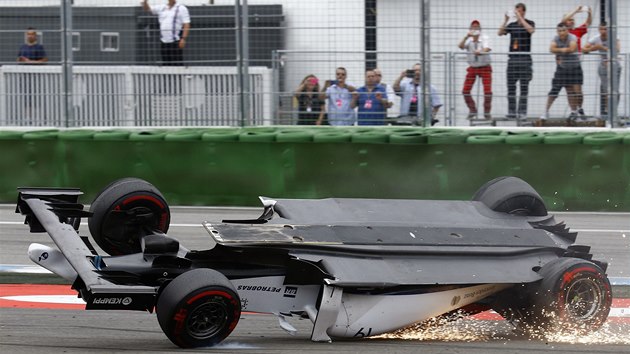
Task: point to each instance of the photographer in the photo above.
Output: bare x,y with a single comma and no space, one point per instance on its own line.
478,48
310,108
338,94
411,93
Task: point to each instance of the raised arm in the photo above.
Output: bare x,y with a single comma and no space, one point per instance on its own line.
589,18
529,28
568,15
397,89
355,99
462,43
502,31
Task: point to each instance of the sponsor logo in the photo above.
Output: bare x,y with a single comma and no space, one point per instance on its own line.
244,303
269,289
290,291
479,292
43,256
112,301
455,300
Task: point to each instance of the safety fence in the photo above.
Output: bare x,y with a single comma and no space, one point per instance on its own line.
209,96
448,71
295,38
233,166
132,96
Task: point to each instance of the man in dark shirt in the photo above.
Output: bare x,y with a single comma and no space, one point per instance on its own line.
519,61
32,52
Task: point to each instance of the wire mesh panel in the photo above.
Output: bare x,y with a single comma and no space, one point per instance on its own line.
197,96
125,73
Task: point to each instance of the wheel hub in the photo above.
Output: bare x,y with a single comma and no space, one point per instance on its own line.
583,299
207,319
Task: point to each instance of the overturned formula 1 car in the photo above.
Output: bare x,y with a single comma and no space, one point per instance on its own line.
354,267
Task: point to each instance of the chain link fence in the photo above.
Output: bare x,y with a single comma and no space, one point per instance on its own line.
258,62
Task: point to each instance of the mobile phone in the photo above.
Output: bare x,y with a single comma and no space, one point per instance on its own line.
410,73
333,82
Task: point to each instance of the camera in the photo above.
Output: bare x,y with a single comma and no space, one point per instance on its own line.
410,73
333,82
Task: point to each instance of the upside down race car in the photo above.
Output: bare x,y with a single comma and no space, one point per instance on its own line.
354,267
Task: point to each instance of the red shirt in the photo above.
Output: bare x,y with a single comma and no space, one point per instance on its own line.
579,32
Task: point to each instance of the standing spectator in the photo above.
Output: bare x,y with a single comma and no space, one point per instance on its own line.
174,29
579,32
519,67
371,100
310,108
31,52
600,43
388,88
338,95
478,48
411,93
568,70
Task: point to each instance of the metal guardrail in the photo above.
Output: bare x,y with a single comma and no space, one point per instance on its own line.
132,96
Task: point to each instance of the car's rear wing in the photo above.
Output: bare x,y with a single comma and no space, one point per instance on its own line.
57,212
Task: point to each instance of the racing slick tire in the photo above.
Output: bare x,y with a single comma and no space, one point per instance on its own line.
574,296
199,308
124,212
511,195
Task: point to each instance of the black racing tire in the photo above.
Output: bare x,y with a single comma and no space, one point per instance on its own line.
124,212
199,308
574,296
511,195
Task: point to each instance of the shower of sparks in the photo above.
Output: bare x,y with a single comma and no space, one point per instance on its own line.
457,328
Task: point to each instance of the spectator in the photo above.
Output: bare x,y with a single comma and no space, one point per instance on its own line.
579,32
519,67
478,47
371,100
411,93
568,70
338,95
32,52
174,29
388,89
600,43
310,107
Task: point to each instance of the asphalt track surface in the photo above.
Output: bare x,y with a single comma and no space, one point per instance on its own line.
45,330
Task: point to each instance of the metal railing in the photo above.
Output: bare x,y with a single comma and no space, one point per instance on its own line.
133,96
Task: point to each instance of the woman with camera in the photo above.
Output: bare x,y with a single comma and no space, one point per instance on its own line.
310,108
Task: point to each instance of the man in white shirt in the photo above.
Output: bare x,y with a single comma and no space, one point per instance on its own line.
599,44
338,95
412,97
174,29
478,48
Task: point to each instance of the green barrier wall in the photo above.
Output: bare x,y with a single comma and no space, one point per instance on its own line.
572,171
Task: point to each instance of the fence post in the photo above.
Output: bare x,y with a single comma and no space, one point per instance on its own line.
275,86
66,60
425,69
611,8
242,54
